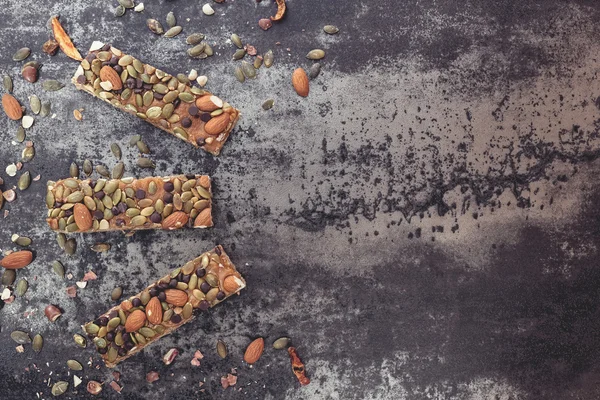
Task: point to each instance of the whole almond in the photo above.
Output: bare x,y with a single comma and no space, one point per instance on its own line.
175,220
17,259
11,106
254,351
217,124
232,283
107,73
83,217
176,297
204,219
154,311
135,321
300,82
208,103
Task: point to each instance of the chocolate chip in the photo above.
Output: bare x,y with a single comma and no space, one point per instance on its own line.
163,286
147,86
200,141
138,90
113,314
110,336
136,302
169,186
139,83
102,321
90,57
153,292
102,350
200,272
68,213
220,295
140,194
114,61
120,222
122,351
99,195
114,210
204,305
162,296
176,103
106,47
176,319
122,207
186,122
205,117
168,198
81,79
218,250
193,111
186,279
205,287
173,283
158,96
130,83
155,217
129,345
98,215
118,68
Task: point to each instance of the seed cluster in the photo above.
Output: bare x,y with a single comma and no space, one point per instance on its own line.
163,306
166,101
129,204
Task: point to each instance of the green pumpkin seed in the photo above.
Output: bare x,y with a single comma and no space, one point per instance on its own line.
141,339
100,247
180,132
134,139
147,99
235,39
212,280
212,294
160,88
186,97
60,387
125,60
23,241
281,343
58,268
21,54
237,72
197,50
239,54
155,26
71,183
331,29
113,323
208,50
8,277
122,316
257,62
87,167
154,112
8,83
197,293
116,293
187,310
126,3
22,287
171,96
38,343
194,38
315,54
221,349
61,240
35,104
24,181
267,105
174,31
147,332
20,337
116,150
20,135
144,162
73,170
171,21
45,111
248,70
112,354
80,340
138,220
52,85
268,58
28,154
167,315
119,11
75,197
102,170
92,329
314,70
139,67
74,365
100,342
118,170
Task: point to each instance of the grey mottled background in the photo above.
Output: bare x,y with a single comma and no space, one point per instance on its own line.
424,225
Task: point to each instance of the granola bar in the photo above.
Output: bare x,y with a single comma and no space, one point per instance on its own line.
164,306
129,204
167,102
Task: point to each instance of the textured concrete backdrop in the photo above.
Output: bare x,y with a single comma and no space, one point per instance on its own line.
424,225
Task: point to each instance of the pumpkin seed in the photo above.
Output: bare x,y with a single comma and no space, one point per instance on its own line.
315,54
113,323
314,70
38,343
20,135
100,342
22,287
237,72
221,349
112,354
196,50
35,104
87,167
74,365
208,50
248,70
212,280
171,21
134,139
20,337
58,268
60,387
23,241
167,315
212,294
145,297
73,170
80,340
174,31
24,181
141,339
102,170
52,85
8,277
117,172
45,111
138,220
235,39
116,293
267,105
154,26
187,310
61,239
186,97
194,38
100,247
70,246
258,62
331,29
28,154
119,11
144,162
75,197
239,54
21,54
268,58
180,132
8,83
147,332
122,317
154,112
116,150
281,343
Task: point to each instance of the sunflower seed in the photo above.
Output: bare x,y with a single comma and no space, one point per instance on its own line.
20,337
38,343
45,111
52,85
171,21
235,39
144,162
116,150
194,38
8,83
134,139
87,167
21,54
314,70
221,349
24,181
58,268
126,3
102,170
23,241
60,387
174,31
237,72
20,136
315,54
8,277
119,11
155,26
331,29
268,58
74,365
70,246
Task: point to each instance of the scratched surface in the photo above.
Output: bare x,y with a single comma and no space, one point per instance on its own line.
424,225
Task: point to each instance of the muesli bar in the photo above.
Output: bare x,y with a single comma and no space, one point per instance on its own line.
128,204
164,306
167,102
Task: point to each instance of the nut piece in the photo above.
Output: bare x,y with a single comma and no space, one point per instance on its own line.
17,259
208,103
217,125
300,82
254,351
204,219
135,321
170,356
52,312
154,311
232,283
94,387
176,297
11,106
83,217
175,220
108,74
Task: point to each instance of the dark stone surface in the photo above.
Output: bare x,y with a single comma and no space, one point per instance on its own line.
424,225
